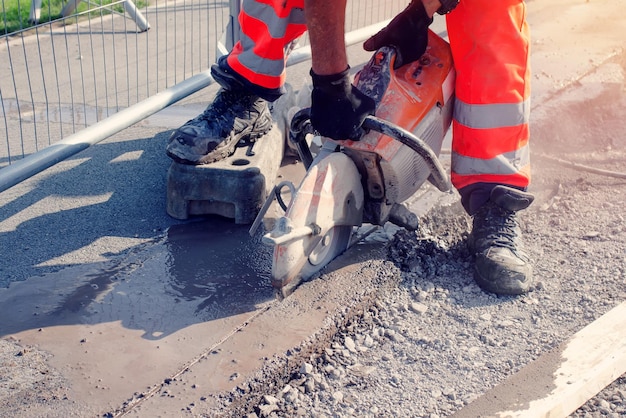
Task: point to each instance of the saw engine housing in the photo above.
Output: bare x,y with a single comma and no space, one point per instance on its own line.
418,97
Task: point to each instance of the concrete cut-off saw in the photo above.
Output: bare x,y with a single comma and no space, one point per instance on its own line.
349,183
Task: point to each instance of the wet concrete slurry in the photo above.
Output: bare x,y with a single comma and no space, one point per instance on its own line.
121,327
194,306
217,263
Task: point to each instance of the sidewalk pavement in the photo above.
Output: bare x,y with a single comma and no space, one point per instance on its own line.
131,326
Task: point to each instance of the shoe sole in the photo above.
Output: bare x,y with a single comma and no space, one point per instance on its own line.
512,287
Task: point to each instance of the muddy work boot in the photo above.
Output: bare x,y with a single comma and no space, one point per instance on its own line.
501,265
233,116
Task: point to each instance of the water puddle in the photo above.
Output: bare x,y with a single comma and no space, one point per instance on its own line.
198,272
216,262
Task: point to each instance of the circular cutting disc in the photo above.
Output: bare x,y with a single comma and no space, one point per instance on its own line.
333,243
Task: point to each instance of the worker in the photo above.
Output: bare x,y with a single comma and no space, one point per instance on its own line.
490,154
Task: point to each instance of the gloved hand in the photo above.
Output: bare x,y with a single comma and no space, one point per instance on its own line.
407,32
338,109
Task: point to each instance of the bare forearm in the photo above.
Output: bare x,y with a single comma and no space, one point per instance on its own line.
325,21
326,25
431,6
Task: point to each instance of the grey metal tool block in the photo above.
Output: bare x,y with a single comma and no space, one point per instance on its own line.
235,187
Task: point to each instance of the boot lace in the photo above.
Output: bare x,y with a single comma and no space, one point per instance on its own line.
497,226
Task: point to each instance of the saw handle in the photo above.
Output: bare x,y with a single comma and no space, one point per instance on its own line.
276,193
298,130
301,126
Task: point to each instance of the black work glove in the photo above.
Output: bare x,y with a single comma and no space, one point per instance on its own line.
338,109
407,33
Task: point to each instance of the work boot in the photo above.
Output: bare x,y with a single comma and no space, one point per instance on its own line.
501,264
234,116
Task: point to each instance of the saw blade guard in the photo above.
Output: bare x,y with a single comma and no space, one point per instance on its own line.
419,98
318,222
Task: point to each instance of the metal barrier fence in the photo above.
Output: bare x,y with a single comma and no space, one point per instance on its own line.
72,82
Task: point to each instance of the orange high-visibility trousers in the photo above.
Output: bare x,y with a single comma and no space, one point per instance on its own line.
490,47
490,43
267,28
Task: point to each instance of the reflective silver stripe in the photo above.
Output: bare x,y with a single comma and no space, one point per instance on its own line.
257,63
507,163
276,26
486,116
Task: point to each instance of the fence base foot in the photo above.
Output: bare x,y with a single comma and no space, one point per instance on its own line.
235,187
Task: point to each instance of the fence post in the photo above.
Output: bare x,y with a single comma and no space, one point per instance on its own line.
232,33
35,12
69,7
136,15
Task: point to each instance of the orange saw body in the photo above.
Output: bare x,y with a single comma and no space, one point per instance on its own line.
349,183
